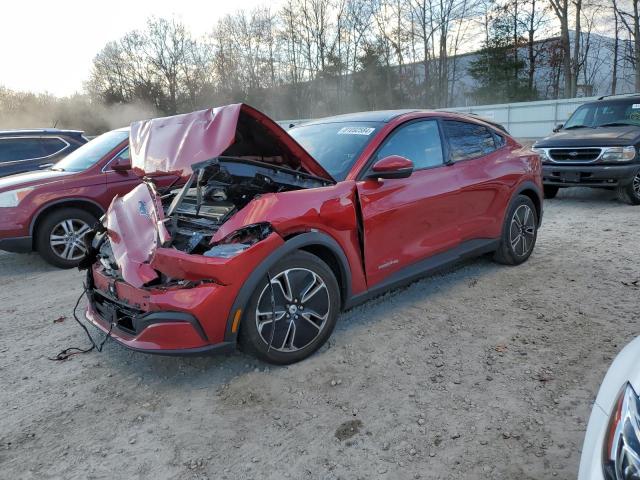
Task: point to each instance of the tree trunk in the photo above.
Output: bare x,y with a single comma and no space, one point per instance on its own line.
531,47
566,56
636,43
616,41
575,67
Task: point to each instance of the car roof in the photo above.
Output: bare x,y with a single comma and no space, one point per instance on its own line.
375,116
41,131
616,98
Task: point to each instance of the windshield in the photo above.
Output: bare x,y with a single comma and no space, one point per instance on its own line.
600,114
335,146
90,153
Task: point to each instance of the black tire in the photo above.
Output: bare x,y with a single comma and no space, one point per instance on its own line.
291,344
630,193
550,191
52,224
517,223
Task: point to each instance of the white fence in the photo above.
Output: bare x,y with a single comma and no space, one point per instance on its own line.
528,119
522,120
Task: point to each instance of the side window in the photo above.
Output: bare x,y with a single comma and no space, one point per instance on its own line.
12,149
468,140
53,145
500,140
419,142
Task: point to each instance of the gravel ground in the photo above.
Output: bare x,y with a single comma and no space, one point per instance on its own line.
485,371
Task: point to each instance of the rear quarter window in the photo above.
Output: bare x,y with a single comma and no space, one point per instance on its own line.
468,140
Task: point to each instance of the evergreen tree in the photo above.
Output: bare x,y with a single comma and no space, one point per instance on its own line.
499,72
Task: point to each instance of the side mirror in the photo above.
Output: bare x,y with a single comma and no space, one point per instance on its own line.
121,165
393,166
558,127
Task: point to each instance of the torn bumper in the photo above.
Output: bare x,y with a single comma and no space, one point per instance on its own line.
163,321
176,320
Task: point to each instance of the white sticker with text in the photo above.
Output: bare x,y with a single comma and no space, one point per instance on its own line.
356,131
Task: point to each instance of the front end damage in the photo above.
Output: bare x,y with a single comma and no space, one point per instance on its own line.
165,269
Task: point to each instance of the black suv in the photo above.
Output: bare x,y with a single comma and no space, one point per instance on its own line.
26,150
597,147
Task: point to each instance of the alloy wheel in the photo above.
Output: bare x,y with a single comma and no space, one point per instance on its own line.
67,238
636,185
301,305
522,230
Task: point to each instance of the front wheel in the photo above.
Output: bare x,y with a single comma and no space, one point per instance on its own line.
519,232
60,236
630,193
291,318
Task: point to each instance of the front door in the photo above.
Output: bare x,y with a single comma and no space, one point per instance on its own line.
121,183
407,220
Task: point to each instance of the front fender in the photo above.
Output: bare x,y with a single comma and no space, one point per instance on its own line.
296,242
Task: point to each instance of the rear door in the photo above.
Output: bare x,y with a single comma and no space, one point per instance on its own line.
406,220
479,163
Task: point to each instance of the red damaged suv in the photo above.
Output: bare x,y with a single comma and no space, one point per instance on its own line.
276,232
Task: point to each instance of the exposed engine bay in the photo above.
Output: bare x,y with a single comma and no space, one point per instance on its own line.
220,187
232,154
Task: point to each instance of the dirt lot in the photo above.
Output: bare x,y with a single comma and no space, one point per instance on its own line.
483,372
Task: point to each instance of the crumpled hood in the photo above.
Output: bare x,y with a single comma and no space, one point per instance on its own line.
134,226
31,179
174,144
134,222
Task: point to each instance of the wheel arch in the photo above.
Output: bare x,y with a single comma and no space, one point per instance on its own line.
531,190
83,203
316,243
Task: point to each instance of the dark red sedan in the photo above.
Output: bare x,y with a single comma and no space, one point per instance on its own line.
51,211
276,232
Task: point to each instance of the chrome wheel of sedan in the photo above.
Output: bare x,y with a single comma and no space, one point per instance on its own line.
636,185
67,238
300,302
523,230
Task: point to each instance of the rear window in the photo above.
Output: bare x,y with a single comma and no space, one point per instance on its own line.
12,149
468,140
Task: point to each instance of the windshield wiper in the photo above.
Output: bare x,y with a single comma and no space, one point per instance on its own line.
615,124
57,169
575,126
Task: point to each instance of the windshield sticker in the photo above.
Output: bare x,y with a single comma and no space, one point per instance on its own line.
356,131
635,106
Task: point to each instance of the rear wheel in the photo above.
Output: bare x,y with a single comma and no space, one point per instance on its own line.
550,191
630,193
519,232
300,316
60,236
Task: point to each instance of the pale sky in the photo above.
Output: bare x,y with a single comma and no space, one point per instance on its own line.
49,46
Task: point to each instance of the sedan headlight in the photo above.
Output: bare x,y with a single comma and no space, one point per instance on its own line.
618,154
543,154
12,198
621,449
